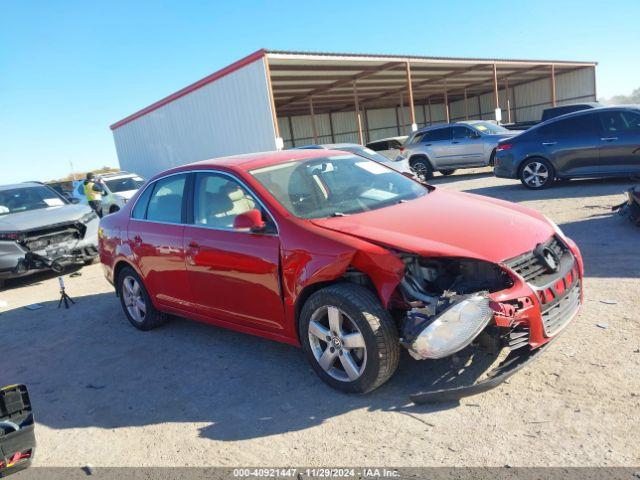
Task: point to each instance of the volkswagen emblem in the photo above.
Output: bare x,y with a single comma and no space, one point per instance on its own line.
548,258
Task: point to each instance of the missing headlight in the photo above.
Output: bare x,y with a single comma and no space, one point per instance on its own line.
448,304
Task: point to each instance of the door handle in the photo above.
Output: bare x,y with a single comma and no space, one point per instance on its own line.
609,139
137,240
427,144
455,142
548,144
194,245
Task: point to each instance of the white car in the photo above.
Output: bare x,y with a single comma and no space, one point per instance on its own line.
389,147
118,188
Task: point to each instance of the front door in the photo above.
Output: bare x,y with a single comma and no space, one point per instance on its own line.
233,274
620,141
572,145
466,147
155,234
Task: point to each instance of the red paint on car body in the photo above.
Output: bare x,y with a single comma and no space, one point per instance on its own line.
259,279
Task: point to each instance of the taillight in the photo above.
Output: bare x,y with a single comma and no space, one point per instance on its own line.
401,149
503,146
11,236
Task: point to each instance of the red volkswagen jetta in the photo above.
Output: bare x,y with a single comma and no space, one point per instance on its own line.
345,257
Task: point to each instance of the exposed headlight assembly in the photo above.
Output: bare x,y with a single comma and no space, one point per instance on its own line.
453,329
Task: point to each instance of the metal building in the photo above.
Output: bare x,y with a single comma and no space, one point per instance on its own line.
279,99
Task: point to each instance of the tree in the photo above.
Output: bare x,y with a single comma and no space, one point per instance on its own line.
623,99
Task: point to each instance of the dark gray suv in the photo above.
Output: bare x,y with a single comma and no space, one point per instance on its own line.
601,142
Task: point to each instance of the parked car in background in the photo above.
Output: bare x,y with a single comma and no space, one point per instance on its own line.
401,165
553,112
118,188
40,229
389,147
344,256
601,142
446,147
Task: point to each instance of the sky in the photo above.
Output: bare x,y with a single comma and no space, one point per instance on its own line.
69,69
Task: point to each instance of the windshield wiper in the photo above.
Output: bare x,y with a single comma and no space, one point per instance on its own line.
338,214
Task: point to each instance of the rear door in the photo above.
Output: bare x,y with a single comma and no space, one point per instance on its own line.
572,144
438,145
466,146
155,234
620,141
233,274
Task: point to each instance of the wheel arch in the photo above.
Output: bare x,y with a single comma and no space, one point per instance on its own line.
420,156
120,264
532,156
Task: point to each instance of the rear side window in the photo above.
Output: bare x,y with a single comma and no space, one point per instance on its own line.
573,126
377,146
619,122
165,204
140,210
434,136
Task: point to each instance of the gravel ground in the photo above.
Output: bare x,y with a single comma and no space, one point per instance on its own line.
106,394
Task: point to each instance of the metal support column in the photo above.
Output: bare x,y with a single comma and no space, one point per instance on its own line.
553,86
358,118
412,112
314,130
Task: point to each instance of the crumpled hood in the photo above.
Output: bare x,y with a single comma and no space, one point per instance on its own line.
445,223
42,217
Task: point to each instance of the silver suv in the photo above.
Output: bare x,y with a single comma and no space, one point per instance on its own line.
447,147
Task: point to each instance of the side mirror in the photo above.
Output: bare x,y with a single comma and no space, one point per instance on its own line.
73,199
250,221
17,437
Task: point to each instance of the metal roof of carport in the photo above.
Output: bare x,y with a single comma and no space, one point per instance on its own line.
330,81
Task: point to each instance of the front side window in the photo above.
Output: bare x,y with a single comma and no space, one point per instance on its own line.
335,186
24,199
619,122
219,199
165,204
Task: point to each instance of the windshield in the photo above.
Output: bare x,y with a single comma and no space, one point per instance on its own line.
124,184
489,128
364,152
336,186
28,198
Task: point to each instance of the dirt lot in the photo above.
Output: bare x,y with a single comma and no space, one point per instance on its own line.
106,394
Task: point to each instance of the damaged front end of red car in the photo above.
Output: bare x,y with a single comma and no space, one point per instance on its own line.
519,305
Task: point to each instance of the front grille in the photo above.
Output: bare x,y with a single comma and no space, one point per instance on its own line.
558,291
556,315
529,267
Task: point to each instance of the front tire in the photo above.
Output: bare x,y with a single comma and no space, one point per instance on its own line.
537,173
422,168
447,172
136,303
350,340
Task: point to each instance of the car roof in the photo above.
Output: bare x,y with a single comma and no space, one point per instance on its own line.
588,111
250,161
20,185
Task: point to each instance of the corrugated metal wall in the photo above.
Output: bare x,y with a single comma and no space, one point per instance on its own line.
229,116
526,103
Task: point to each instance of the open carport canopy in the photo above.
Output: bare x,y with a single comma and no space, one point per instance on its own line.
323,82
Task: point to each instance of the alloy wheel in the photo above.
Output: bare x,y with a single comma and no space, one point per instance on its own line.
337,344
133,299
535,174
420,170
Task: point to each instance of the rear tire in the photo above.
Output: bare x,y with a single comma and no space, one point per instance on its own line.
492,159
350,340
537,173
422,168
136,303
447,172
